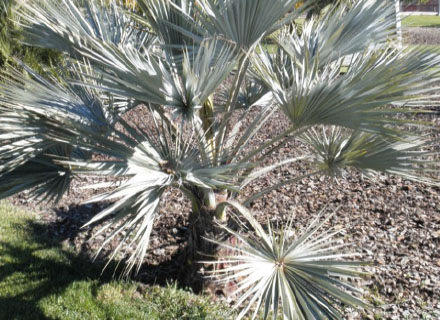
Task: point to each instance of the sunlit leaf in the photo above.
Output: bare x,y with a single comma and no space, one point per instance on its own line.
303,274
412,157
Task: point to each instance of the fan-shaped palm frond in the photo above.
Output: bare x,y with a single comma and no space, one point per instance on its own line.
412,157
304,274
253,94
34,91
46,180
112,24
73,124
65,27
247,21
21,95
182,89
46,24
310,95
342,32
24,146
153,150
174,22
124,69
202,74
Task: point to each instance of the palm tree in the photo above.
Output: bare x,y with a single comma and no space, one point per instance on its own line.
342,83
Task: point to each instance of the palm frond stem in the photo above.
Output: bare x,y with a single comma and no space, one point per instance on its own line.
239,78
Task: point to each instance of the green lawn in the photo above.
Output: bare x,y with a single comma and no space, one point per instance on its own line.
39,279
421,21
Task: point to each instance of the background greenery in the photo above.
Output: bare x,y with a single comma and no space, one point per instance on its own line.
10,46
421,21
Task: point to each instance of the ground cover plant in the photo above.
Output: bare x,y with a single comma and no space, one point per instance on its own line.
340,82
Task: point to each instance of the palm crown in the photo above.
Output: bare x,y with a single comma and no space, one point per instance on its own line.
340,81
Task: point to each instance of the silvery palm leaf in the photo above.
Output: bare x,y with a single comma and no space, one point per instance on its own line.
252,93
125,71
301,274
412,157
181,89
201,75
112,24
113,106
49,93
45,179
26,152
246,22
64,27
174,22
360,98
21,96
341,32
19,146
47,24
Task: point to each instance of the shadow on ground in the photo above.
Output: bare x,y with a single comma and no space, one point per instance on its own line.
168,267
156,271
39,267
58,253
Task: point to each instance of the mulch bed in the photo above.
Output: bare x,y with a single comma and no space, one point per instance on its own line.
424,36
393,222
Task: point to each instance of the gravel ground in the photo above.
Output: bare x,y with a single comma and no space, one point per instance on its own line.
393,222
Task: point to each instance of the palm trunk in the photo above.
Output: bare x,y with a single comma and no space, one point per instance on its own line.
203,225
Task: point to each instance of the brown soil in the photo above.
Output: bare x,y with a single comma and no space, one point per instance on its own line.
425,36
